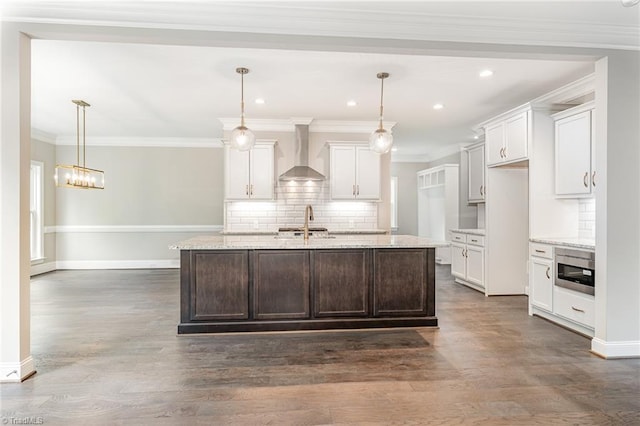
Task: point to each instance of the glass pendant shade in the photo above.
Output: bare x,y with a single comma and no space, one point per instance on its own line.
242,138
380,141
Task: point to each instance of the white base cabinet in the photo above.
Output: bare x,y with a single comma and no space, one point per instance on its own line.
467,259
570,309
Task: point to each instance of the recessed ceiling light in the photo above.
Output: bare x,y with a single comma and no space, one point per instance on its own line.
475,137
260,101
438,106
394,149
352,103
486,73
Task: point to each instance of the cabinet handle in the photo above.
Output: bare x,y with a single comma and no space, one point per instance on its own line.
482,190
593,179
501,152
246,189
353,190
540,251
504,150
466,253
577,310
584,179
251,189
357,189
547,272
474,241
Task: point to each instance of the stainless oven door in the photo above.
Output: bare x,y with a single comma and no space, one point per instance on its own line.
575,270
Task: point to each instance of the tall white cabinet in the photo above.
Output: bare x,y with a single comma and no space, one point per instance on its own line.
477,187
438,206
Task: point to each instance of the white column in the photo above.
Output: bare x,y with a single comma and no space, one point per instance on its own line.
15,346
617,332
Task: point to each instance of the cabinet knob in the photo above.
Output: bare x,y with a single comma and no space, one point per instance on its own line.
584,179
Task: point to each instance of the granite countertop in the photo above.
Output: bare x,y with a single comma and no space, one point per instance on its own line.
331,231
469,231
583,243
231,242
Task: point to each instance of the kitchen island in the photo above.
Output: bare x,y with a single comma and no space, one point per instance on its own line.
266,283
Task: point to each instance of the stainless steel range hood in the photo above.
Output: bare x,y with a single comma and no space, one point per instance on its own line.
301,169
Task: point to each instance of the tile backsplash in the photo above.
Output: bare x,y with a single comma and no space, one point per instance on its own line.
289,207
587,218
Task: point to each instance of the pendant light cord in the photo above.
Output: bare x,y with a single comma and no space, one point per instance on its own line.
381,97
242,99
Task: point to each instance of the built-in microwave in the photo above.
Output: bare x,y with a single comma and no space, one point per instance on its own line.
575,269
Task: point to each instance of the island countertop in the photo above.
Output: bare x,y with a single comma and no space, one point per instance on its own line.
234,242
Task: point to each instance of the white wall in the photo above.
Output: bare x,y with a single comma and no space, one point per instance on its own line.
46,153
153,196
407,196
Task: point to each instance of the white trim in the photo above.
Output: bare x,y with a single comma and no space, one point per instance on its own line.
118,264
42,268
610,350
132,228
145,142
15,372
568,92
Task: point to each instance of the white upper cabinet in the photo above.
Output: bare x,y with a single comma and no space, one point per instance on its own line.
476,174
507,140
574,159
249,175
355,172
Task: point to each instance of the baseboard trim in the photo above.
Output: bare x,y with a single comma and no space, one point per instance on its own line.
42,268
613,350
119,264
16,372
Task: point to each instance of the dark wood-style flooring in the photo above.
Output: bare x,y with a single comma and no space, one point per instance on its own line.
106,351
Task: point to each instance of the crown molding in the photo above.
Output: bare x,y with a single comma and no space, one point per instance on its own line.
343,126
43,136
422,22
144,142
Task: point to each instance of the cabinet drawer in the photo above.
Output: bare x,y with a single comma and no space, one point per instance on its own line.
459,238
476,240
574,306
541,250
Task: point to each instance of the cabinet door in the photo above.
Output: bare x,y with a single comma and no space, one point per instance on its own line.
458,261
516,138
341,283
236,174
475,265
219,287
541,283
476,174
367,174
400,282
494,142
281,284
343,172
573,155
262,175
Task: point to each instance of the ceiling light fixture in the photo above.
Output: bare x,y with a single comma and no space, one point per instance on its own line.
260,101
77,176
486,73
352,103
438,106
380,140
242,138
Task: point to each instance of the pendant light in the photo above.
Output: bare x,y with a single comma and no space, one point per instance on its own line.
380,140
79,176
242,138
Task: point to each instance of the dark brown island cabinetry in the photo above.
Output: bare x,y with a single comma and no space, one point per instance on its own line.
276,289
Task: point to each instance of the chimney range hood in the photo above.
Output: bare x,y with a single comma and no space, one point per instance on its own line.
301,169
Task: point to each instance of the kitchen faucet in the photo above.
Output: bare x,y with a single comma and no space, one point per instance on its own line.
308,215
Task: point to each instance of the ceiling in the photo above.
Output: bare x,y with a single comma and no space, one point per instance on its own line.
178,91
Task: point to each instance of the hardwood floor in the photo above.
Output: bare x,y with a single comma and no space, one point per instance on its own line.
106,350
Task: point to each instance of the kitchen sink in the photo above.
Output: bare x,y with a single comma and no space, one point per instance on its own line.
294,233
